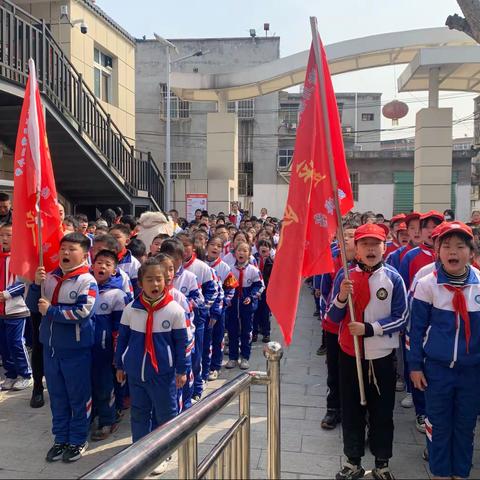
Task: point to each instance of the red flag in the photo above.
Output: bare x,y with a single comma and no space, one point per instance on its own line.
310,221
33,174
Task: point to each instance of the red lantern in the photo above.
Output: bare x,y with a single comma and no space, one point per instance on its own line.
395,110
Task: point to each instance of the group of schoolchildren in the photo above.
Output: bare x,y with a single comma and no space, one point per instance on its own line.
415,288
128,325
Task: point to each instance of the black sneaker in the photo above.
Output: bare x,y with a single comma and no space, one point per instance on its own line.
383,473
350,472
316,313
74,452
37,400
56,452
265,338
322,350
330,420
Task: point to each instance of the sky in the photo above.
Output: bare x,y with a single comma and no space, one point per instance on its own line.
337,20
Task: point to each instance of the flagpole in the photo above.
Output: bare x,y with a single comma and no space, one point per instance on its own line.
331,162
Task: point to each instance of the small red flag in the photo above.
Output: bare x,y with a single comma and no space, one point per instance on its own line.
33,173
310,221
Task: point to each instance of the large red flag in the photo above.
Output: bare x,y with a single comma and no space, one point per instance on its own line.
310,221
33,174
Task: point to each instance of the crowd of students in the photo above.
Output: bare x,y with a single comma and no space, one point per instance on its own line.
415,286
122,324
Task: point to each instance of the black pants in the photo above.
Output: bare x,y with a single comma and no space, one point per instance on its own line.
379,407
37,354
333,348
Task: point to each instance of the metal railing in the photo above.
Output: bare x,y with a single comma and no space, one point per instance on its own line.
230,457
22,37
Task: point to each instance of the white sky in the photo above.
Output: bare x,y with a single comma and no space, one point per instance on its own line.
337,20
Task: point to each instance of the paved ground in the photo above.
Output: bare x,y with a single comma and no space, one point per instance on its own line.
307,450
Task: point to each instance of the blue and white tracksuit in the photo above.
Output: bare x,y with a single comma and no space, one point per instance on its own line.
438,347
239,320
208,285
13,319
130,265
215,360
152,391
106,320
66,332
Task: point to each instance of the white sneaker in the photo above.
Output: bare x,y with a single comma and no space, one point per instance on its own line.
231,364
8,383
162,467
244,365
400,385
407,402
22,383
213,375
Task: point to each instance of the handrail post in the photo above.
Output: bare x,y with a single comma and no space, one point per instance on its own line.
44,57
244,410
80,103
273,353
188,459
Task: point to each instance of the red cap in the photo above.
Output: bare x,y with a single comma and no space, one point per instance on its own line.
457,227
370,230
432,214
438,229
412,216
402,227
384,227
397,218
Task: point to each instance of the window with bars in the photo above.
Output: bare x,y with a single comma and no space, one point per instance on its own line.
179,170
368,117
354,181
245,179
102,70
284,158
243,108
178,108
288,114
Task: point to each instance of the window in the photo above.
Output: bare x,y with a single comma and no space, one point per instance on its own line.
103,67
285,156
368,117
179,170
245,179
354,181
243,108
289,114
340,110
178,107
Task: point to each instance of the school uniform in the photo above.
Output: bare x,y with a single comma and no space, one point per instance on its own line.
207,283
151,350
130,265
391,247
261,317
226,249
230,259
66,332
13,318
445,344
106,321
239,320
380,303
395,258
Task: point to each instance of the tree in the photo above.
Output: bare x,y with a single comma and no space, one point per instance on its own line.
471,23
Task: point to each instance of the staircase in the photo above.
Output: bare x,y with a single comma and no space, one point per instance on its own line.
94,163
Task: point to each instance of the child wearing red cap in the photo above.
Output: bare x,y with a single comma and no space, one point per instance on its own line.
396,223
379,298
444,355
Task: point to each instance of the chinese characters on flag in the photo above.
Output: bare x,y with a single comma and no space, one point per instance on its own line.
33,174
310,222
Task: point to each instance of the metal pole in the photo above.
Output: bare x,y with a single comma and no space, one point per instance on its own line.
273,353
244,410
188,459
333,176
167,139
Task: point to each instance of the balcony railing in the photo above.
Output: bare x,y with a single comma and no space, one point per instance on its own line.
22,37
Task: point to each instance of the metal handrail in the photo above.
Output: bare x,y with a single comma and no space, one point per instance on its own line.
230,458
23,36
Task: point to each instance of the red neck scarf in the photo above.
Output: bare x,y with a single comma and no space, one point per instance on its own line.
3,277
241,271
261,264
122,254
190,261
460,308
73,273
151,309
428,249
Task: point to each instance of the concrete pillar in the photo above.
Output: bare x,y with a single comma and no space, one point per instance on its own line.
433,159
222,160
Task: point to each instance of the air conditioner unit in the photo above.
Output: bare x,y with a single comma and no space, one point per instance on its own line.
292,126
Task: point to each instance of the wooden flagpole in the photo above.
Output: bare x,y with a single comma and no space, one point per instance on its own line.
331,162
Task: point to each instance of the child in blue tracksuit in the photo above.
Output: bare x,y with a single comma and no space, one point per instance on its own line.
66,332
444,355
213,357
240,313
13,318
206,279
106,320
151,350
